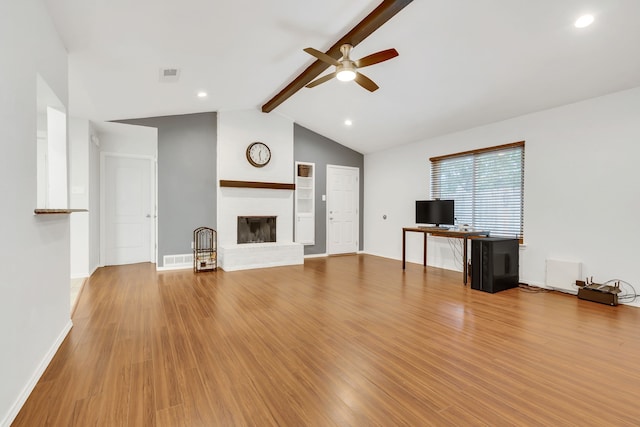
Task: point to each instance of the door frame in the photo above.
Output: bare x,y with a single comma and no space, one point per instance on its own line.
357,227
153,224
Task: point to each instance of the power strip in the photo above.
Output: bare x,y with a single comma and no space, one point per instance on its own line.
596,292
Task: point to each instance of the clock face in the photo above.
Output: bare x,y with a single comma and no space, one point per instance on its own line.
258,154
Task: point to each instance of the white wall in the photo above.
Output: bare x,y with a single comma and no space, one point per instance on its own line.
79,140
581,188
94,200
128,139
236,130
57,196
84,193
34,272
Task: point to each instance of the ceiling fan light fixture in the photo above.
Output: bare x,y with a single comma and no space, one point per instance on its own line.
346,75
346,71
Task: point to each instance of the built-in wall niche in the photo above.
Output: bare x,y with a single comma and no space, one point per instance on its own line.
305,203
51,150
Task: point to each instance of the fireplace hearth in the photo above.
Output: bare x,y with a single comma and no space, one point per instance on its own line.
256,229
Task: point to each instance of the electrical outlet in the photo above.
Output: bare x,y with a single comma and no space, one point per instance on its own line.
192,245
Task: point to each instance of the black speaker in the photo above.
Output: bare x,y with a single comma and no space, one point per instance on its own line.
494,264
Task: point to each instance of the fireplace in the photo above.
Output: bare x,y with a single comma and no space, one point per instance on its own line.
256,229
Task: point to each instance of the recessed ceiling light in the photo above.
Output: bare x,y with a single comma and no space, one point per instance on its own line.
202,94
584,21
348,122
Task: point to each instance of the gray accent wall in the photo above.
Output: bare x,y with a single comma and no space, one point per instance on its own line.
309,146
186,178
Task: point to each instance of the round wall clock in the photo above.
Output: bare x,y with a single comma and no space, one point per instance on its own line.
258,154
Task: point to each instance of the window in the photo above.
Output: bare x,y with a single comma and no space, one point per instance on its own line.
487,186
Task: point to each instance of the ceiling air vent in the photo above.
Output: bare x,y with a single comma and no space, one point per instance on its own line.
169,74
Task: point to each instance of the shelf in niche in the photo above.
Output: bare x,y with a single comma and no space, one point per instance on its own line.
57,211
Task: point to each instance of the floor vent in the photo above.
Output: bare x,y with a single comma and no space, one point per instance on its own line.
175,262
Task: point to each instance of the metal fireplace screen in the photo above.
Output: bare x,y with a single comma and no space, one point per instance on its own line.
205,249
256,229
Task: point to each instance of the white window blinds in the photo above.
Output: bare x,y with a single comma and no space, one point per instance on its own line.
487,186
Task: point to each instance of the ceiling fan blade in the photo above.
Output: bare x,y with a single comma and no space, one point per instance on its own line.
321,56
321,80
366,82
374,58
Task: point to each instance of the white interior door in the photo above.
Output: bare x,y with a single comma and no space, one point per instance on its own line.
343,199
128,210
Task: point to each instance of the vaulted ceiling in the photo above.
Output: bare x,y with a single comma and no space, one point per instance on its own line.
462,63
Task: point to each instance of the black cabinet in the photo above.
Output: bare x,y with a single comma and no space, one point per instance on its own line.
494,264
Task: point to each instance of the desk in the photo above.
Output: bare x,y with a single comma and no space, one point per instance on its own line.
466,235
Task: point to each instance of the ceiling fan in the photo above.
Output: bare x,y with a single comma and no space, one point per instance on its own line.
347,68
381,14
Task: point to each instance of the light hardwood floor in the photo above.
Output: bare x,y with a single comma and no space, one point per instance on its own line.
340,341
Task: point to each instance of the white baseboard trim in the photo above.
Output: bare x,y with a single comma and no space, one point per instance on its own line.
326,254
22,398
316,256
179,267
95,269
564,291
382,256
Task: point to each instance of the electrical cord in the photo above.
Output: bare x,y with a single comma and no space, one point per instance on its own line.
457,252
532,289
628,297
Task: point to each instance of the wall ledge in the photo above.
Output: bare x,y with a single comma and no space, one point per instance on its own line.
57,211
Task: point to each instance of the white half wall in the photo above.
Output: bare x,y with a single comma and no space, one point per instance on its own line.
581,189
34,249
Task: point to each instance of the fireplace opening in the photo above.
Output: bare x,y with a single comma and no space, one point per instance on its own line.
256,229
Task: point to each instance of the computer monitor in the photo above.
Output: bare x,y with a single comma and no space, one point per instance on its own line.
435,212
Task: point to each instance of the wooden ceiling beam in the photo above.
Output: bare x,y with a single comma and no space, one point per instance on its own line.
381,14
